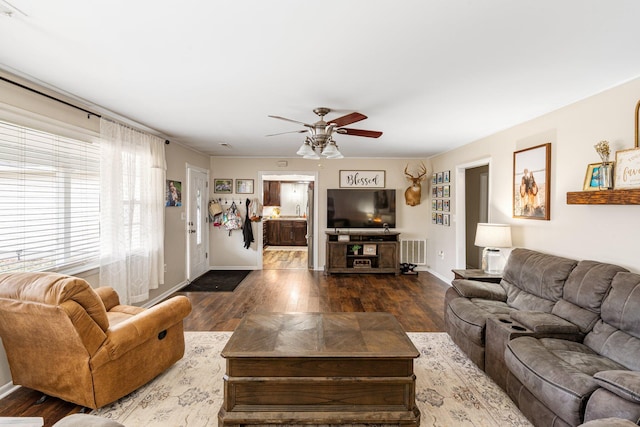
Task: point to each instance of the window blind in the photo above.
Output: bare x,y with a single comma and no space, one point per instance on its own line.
49,201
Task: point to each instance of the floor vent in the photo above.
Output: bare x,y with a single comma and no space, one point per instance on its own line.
413,251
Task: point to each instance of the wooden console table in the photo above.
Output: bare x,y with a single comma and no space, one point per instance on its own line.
362,252
319,368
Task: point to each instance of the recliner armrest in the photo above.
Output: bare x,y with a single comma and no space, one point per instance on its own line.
132,332
625,384
544,323
475,289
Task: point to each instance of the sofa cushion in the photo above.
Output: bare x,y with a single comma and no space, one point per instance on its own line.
616,335
584,292
559,373
533,281
470,315
624,383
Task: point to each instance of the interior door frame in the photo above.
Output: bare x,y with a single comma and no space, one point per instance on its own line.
259,189
461,250
188,207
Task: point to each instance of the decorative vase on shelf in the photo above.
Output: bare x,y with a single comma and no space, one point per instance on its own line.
606,168
606,176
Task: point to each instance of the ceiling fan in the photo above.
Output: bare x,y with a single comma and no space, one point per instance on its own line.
320,139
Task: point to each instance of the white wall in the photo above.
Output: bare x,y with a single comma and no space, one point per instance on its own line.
229,252
608,233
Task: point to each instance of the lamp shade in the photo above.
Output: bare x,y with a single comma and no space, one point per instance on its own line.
493,235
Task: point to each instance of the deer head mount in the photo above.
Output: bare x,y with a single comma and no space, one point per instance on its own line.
413,194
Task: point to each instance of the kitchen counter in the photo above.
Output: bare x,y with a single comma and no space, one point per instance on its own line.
286,218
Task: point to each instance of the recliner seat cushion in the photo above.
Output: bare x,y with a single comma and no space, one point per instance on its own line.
559,373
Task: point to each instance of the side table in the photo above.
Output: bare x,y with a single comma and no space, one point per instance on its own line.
479,275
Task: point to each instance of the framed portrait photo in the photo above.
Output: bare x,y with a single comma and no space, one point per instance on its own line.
244,186
223,185
531,182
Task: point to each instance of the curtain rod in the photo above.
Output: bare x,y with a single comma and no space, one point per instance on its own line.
89,113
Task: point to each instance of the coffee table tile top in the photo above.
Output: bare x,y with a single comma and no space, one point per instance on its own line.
378,335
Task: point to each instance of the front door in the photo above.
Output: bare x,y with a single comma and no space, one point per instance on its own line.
197,224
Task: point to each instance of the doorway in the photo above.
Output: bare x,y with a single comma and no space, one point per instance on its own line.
288,221
197,260
472,205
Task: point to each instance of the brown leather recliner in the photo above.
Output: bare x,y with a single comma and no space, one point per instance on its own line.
67,340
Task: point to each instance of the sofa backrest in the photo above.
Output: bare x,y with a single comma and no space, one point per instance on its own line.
583,293
533,281
54,289
617,334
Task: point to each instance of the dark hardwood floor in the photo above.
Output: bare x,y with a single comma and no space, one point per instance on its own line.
415,300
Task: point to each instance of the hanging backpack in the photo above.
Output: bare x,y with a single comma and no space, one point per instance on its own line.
233,219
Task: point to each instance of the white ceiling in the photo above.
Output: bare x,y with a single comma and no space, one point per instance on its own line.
431,74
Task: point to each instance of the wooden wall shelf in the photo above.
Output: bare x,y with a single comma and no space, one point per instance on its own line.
604,197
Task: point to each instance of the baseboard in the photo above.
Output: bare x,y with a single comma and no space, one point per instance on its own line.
439,276
165,295
7,389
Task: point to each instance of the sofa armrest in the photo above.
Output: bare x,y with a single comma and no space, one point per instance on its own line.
132,332
625,384
544,323
475,289
108,296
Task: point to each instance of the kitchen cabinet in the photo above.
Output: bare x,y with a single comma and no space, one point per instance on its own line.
271,193
284,232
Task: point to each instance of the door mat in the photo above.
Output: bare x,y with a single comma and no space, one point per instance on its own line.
217,281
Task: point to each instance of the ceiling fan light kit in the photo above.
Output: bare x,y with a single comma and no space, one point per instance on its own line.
320,140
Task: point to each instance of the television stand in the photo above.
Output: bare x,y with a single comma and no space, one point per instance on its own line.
362,252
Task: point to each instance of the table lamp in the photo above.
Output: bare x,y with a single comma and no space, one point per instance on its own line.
492,237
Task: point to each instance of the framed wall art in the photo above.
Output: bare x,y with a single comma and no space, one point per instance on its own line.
174,193
627,169
531,182
223,185
362,179
244,186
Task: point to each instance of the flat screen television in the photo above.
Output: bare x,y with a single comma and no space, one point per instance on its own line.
361,208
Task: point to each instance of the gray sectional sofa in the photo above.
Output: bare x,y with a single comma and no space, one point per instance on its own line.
561,336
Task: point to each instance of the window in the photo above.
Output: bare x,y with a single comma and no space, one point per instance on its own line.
49,201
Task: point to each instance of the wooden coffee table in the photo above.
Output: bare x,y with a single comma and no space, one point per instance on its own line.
319,368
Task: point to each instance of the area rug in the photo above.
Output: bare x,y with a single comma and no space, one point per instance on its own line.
217,281
450,390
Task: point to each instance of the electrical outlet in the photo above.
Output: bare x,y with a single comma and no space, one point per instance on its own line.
165,268
441,254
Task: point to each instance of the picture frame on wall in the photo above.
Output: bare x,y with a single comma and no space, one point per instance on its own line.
446,177
223,185
446,190
244,186
532,182
446,205
439,205
434,179
445,220
434,218
439,177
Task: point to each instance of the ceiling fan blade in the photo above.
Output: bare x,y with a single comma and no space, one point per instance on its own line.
293,131
360,132
348,119
292,121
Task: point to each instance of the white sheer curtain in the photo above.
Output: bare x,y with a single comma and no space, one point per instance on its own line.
132,179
